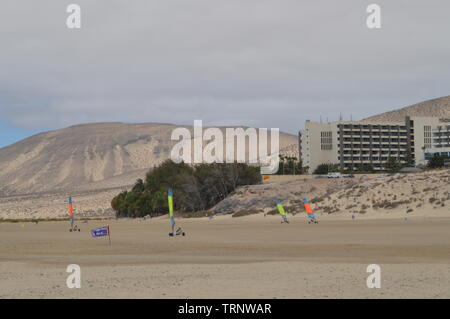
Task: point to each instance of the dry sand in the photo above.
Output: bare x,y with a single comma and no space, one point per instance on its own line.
248,257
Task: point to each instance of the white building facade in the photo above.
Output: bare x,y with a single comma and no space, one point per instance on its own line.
357,144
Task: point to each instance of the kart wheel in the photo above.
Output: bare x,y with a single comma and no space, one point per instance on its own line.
184,234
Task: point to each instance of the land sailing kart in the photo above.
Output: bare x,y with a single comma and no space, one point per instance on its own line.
178,232
74,228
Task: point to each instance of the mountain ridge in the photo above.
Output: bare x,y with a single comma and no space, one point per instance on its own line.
105,154
438,107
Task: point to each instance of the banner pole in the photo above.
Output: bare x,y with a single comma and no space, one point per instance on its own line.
109,236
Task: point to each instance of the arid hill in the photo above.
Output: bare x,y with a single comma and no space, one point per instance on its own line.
417,194
437,108
425,193
88,157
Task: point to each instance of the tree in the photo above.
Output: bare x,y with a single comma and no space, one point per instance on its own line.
138,186
366,168
326,168
196,188
289,165
437,161
392,164
321,169
409,158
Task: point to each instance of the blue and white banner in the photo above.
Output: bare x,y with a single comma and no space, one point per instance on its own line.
99,232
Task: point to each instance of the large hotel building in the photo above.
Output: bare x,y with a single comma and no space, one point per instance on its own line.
354,144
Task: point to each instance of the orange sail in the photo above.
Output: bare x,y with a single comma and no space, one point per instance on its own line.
308,208
309,211
70,207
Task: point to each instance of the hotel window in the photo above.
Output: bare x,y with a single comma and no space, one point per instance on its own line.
427,136
326,141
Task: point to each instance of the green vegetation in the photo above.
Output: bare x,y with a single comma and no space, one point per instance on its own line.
392,165
195,188
290,165
437,161
365,168
326,168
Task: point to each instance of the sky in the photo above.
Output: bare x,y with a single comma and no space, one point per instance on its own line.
261,63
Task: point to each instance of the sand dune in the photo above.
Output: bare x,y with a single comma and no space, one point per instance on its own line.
420,194
424,193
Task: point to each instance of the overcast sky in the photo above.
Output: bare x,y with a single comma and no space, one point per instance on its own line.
262,63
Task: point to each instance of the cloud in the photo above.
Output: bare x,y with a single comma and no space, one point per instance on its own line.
256,62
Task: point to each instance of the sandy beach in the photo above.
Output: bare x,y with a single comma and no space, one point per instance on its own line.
225,257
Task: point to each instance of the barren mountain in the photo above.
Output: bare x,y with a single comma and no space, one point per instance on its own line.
88,157
437,108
